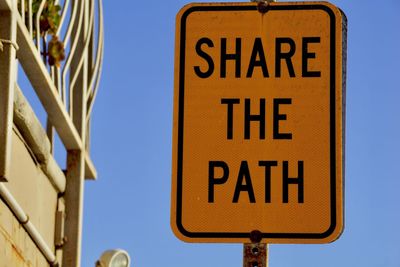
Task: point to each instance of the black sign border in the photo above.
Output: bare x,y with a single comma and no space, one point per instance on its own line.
246,235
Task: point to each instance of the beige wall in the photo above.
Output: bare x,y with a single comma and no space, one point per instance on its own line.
38,198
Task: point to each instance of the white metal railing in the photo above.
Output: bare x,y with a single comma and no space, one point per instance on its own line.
71,26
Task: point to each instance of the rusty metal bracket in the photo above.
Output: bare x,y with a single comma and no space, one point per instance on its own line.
265,1
255,254
263,5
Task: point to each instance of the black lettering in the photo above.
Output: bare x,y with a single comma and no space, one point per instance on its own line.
258,50
212,180
299,181
254,117
205,56
280,117
230,102
244,173
307,55
236,57
287,56
268,166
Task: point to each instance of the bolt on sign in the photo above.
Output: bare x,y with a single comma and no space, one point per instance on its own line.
258,122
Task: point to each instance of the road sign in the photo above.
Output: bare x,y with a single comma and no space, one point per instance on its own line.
258,122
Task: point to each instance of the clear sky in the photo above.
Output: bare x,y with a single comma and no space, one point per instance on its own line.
129,205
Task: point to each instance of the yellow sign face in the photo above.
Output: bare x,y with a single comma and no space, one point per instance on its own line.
258,123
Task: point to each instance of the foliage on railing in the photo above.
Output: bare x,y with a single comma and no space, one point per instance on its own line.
53,51
66,29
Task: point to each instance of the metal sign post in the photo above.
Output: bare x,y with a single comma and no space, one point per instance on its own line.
255,255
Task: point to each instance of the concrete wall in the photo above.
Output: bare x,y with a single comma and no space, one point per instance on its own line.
35,182
34,192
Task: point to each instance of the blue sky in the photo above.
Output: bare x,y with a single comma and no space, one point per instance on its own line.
129,205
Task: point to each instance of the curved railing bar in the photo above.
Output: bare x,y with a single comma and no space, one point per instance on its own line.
55,75
81,60
71,24
85,47
63,15
61,88
22,11
95,90
39,13
99,47
30,18
98,65
73,48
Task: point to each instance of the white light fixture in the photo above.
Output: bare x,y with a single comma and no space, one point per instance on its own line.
114,258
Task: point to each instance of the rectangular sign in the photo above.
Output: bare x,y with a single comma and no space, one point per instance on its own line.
258,122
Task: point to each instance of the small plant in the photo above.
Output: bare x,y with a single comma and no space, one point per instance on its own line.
49,21
56,52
